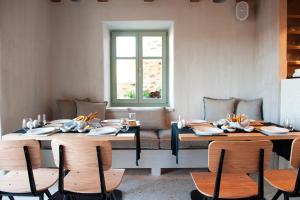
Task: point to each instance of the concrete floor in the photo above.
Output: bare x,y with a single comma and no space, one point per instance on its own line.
172,185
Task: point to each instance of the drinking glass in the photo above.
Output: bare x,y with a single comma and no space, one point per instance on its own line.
29,124
44,119
24,123
230,117
132,116
288,123
39,118
124,124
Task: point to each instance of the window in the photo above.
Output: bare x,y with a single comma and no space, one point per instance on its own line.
139,68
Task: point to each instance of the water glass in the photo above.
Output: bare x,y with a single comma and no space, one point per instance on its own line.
131,116
230,117
288,123
124,124
44,119
39,118
24,123
29,124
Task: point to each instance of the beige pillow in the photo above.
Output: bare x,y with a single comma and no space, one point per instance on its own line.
252,108
215,109
85,108
150,118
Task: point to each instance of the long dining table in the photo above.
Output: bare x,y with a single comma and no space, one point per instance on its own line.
281,142
133,134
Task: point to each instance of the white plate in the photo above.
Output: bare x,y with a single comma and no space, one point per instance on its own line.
103,131
60,121
197,121
207,131
273,130
111,121
41,131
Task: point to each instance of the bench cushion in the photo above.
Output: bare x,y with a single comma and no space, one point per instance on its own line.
215,109
252,108
165,142
149,140
85,108
151,118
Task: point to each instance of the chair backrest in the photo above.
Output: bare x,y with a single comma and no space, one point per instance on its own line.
240,156
295,154
12,155
80,153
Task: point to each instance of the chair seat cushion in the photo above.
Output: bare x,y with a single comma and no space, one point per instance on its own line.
215,109
149,140
18,182
165,142
89,182
233,186
282,179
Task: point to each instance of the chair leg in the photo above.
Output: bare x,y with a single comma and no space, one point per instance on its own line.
48,194
277,195
11,198
41,197
286,197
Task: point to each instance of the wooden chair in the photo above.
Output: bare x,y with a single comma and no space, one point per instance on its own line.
229,165
22,160
287,181
88,164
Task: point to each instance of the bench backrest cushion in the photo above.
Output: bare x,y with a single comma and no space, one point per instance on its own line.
150,118
252,108
215,109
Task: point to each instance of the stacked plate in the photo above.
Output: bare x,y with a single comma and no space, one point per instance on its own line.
273,130
206,130
42,131
103,131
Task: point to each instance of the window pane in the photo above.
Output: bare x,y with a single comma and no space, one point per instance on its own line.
152,78
125,46
152,46
126,78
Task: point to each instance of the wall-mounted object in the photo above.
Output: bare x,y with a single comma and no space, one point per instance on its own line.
242,10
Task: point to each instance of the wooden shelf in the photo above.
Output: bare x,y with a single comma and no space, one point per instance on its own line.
295,62
293,32
293,47
293,16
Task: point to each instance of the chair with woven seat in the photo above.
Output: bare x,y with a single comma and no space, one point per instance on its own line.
88,166
25,177
229,165
287,181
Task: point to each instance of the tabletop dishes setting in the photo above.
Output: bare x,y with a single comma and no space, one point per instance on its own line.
234,124
88,124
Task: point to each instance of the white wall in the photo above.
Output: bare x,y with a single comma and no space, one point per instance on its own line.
267,57
290,98
55,50
25,50
214,54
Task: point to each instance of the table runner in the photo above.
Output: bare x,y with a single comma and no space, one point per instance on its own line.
281,147
133,129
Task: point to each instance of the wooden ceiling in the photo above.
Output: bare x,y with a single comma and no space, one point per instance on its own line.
55,1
